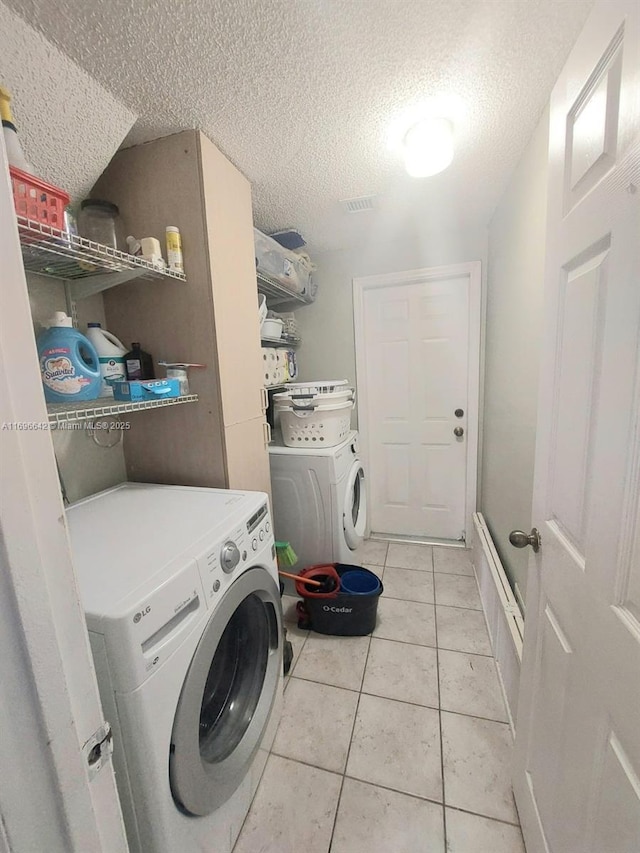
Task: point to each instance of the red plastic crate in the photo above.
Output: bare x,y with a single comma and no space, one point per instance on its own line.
38,201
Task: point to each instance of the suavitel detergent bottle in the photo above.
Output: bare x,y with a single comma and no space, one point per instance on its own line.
69,363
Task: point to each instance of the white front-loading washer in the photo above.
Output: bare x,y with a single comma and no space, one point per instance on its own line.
319,500
181,596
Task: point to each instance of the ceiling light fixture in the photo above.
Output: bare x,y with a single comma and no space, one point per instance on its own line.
428,147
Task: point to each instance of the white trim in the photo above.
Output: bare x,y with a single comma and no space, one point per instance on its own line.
473,270
46,661
502,614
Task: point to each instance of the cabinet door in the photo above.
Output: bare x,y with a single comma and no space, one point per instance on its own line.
229,223
248,456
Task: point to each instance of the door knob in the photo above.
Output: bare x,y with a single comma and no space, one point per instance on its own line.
520,539
458,432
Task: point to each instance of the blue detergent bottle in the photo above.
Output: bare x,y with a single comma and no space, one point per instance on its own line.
69,363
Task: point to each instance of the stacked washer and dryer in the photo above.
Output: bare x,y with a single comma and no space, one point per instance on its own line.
182,601
317,476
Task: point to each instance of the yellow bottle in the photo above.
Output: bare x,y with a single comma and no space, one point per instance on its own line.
174,249
15,154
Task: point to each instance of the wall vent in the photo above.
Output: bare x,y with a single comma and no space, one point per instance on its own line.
359,205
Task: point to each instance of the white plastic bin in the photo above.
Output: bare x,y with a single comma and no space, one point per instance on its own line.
320,426
286,267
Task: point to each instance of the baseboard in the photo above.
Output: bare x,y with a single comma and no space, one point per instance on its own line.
502,614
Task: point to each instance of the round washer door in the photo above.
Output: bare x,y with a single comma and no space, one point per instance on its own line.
355,507
227,695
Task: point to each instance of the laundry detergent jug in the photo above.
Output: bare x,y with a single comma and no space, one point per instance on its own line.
111,353
68,362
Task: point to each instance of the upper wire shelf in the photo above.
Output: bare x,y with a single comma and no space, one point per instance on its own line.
277,293
89,267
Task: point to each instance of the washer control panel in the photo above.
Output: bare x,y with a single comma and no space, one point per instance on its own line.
219,565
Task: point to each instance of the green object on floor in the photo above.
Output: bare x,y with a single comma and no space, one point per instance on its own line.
285,555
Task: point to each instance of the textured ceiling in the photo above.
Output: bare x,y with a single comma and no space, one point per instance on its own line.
300,93
69,138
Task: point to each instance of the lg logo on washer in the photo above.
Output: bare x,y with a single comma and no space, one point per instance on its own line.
328,609
142,613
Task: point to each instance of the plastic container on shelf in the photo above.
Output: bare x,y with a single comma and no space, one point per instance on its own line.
99,221
286,267
38,201
271,328
111,354
69,363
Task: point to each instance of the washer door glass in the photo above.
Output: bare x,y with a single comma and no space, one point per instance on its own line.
234,684
355,507
227,695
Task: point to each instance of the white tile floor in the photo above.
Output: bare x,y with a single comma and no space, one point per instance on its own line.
398,742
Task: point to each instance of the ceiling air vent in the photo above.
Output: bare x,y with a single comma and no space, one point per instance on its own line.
359,205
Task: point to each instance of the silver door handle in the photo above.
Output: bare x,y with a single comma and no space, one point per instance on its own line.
458,432
520,539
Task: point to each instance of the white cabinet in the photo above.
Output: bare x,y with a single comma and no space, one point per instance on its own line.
183,180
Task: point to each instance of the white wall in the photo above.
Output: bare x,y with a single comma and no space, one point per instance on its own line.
515,278
326,326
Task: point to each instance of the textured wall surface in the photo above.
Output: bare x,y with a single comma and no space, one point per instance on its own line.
515,291
300,95
69,124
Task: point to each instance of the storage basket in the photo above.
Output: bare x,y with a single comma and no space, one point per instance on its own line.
325,386
37,201
321,425
306,399
341,614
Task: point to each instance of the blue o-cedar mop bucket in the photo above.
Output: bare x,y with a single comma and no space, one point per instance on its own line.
340,612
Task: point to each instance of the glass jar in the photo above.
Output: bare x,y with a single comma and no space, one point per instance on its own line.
99,221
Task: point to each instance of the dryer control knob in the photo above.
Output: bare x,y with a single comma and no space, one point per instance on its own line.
229,556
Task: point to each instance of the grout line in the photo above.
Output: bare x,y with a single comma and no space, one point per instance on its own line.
486,816
409,569
306,763
399,791
475,717
346,760
444,814
404,642
409,600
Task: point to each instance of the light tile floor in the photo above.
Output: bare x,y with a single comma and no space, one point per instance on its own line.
398,742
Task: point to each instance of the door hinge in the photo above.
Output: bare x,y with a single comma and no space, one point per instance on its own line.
97,750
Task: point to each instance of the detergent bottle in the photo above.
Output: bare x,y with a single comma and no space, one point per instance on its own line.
111,353
68,362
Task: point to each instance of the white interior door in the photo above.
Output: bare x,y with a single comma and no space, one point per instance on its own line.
577,759
417,348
